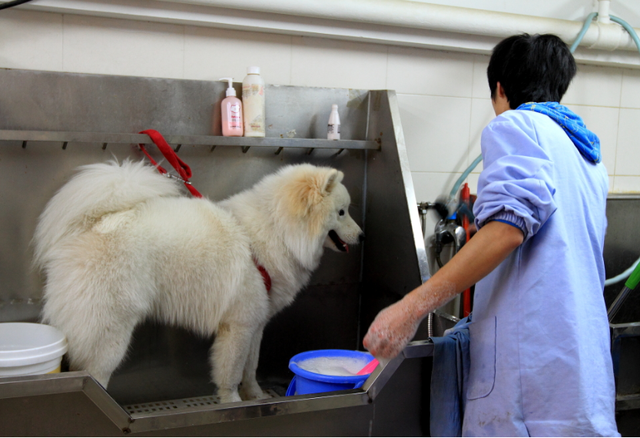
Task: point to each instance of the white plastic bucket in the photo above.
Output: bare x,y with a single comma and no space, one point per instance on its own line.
27,349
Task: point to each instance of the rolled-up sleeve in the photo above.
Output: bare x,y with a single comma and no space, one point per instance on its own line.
515,185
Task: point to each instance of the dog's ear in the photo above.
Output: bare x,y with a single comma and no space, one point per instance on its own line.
332,178
302,209
309,189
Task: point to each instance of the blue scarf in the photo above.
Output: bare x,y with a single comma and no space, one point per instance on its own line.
586,141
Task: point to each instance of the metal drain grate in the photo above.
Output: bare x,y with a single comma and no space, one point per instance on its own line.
180,404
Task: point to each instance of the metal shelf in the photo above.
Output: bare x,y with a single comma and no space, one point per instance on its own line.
105,138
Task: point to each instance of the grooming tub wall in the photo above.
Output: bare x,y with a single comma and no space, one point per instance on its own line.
51,123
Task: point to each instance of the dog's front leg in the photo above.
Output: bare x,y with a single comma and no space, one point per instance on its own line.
250,390
229,354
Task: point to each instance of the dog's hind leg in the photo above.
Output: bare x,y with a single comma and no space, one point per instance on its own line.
100,348
96,303
250,390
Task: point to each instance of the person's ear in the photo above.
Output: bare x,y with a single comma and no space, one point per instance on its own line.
500,90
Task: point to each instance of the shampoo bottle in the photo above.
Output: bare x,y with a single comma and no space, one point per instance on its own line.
253,100
333,130
231,113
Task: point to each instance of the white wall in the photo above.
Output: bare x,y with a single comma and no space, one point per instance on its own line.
443,96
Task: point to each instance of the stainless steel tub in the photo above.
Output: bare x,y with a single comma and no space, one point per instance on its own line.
50,123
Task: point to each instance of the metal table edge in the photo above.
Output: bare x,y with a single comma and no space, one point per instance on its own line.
81,381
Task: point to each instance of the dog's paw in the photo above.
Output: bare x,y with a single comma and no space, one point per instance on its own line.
228,395
252,392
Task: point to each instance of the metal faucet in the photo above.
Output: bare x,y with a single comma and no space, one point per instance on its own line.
448,231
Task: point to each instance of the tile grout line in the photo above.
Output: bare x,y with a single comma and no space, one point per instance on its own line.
615,161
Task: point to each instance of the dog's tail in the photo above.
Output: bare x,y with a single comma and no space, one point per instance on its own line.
96,190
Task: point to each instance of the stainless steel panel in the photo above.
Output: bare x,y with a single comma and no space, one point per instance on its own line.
621,249
48,101
395,260
54,403
66,120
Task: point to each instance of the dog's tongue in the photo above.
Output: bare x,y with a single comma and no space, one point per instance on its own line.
340,244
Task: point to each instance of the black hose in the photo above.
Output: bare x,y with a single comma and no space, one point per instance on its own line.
13,3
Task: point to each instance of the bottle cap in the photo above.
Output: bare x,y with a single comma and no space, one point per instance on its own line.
334,107
253,70
230,90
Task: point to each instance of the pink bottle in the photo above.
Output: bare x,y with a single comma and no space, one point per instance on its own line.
231,114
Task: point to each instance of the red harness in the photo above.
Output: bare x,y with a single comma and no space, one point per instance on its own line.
185,173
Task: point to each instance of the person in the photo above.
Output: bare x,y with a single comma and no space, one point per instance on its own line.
540,362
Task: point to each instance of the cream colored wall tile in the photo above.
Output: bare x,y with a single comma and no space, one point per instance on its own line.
210,54
122,47
625,184
604,123
480,84
630,89
429,186
319,62
436,131
595,86
481,114
628,152
30,40
430,72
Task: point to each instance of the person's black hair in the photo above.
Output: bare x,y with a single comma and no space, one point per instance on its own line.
531,68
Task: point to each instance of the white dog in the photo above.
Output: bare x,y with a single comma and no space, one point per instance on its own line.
118,244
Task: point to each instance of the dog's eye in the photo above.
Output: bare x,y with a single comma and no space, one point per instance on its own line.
341,212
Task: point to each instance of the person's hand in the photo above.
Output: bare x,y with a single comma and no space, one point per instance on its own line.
392,330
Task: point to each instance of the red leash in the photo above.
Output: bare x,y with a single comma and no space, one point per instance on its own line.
180,166
185,173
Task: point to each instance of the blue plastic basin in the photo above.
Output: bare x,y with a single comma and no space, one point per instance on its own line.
307,382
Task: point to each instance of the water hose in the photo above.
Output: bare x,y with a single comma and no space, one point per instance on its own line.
13,3
465,174
630,285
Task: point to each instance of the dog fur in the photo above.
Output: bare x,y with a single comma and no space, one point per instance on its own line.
119,243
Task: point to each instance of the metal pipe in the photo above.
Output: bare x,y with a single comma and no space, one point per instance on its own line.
603,11
407,14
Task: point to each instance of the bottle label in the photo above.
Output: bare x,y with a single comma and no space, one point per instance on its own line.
235,116
252,90
333,129
257,124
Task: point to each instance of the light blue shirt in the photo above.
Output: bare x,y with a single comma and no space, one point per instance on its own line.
539,341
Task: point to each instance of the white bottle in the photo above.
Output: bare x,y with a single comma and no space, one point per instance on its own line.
333,130
231,112
253,103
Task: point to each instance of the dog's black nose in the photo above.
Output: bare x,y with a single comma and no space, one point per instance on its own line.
360,237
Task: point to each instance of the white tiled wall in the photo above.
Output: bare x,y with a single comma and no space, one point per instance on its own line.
443,96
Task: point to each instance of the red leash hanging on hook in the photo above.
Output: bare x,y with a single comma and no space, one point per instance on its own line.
180,166
185,173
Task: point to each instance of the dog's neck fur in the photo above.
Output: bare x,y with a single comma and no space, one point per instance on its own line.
288,274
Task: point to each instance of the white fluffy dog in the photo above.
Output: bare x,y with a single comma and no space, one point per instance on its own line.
118,244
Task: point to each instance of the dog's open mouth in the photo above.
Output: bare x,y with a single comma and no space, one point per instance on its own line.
338,242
